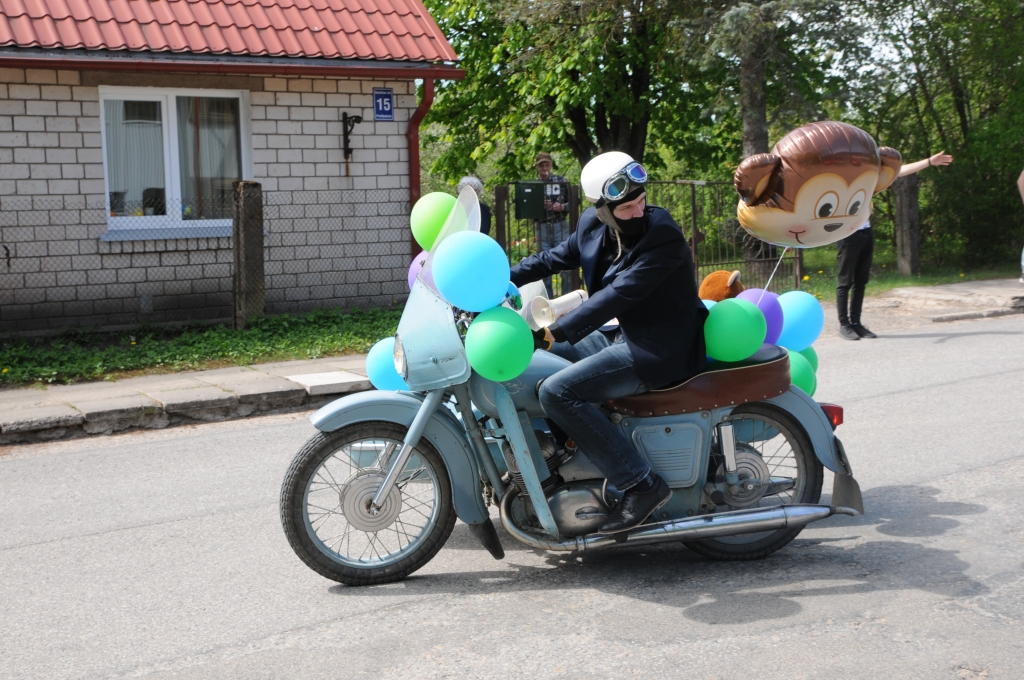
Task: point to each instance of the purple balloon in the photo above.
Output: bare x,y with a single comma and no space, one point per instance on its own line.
415,267
770,307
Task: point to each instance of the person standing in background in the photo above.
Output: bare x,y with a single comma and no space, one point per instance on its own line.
485,210
1020,188
554,228
854,254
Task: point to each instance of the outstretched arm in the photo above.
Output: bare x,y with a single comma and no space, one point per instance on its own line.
941,158
1020,185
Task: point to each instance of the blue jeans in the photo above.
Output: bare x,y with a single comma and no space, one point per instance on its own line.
601,370
549,235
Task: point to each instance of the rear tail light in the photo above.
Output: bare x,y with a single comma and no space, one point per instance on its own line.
834,414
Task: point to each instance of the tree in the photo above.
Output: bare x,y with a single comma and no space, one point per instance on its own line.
587,77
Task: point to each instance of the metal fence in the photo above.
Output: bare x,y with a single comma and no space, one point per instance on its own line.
706,212
83,261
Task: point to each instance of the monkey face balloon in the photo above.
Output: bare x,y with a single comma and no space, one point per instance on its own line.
815,187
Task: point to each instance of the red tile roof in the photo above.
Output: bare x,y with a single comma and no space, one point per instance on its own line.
346,29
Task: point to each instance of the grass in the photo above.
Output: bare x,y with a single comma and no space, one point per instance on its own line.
820,273
83,355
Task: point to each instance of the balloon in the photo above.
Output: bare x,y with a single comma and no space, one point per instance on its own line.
499,344
428,216
801,373
380,366
415,267
471,271
803,319
812,358
815,187
709,303
734,330
770,307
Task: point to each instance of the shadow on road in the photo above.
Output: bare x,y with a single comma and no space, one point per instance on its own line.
739,592
944,337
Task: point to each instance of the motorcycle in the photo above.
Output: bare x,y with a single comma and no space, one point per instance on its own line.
374,494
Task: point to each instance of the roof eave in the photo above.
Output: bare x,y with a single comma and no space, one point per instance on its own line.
167,62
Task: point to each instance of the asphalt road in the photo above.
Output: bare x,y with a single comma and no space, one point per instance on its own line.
160,554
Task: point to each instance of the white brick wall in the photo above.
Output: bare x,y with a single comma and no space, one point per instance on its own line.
338,233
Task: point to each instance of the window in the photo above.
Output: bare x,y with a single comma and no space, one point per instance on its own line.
170,157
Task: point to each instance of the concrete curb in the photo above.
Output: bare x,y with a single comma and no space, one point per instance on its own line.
984,314
155,402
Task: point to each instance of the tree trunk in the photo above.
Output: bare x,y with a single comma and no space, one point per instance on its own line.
908,225
759,256
753,82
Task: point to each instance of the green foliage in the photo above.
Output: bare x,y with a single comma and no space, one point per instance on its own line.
947,75
81,355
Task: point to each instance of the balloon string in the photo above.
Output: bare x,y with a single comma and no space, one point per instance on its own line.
765,289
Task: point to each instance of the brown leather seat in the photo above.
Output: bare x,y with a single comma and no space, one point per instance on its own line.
762,376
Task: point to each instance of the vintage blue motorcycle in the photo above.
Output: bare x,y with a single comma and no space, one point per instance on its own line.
374,494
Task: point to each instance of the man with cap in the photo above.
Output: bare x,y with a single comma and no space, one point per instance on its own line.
554,228
638,269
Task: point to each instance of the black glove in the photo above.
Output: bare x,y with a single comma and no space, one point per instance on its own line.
543,339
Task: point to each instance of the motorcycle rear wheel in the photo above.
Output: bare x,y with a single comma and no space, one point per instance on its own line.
788,452
324,505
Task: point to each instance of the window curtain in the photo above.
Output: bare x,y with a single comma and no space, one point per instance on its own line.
135,157
210,155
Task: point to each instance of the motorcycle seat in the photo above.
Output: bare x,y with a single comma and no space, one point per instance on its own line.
761,376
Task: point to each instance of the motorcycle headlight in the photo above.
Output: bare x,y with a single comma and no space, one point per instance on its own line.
400,364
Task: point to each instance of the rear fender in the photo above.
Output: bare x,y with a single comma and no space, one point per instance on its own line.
444,431
815,423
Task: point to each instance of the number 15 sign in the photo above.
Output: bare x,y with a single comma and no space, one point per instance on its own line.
383,103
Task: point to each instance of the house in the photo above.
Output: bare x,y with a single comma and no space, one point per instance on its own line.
124,123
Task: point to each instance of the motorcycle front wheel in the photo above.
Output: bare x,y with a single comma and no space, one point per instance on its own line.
325,505
777,439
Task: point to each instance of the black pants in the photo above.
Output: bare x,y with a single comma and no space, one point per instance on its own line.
854,255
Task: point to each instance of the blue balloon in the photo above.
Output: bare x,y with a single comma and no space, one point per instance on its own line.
380,366
709,304
471,271
803,319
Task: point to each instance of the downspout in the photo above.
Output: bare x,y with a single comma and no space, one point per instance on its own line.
413,136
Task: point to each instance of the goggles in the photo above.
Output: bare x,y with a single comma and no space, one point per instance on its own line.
619,184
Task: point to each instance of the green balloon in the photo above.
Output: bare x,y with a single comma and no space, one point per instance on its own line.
801,373
734,330
428,216
811,356
499,344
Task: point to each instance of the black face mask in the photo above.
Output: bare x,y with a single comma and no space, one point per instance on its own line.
633,228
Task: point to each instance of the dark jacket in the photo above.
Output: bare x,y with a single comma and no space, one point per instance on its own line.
652,291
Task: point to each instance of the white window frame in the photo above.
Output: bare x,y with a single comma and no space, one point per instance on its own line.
170,225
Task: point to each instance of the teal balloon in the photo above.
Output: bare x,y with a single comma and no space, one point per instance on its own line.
428,217
812,358
803,319
380,366
802,374
499,344
471,271
709,303
734,330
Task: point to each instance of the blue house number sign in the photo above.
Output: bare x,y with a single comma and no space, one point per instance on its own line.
383,103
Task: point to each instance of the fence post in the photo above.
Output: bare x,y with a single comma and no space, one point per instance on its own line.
500,213
693,232
247,245
575,202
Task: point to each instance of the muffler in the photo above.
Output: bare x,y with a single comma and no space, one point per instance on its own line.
705,526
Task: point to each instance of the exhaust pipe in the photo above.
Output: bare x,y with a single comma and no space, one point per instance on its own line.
692,528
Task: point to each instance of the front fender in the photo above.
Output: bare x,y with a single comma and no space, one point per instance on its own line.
444,431
817,426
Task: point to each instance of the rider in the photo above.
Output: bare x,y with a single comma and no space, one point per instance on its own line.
638,269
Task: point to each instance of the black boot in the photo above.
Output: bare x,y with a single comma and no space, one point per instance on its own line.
861,331
637,505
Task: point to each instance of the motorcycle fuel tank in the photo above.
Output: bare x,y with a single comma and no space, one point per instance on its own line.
523,389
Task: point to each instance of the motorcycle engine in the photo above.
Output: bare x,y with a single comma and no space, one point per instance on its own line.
579,507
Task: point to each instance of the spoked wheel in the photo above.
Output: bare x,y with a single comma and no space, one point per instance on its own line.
325,505
773,451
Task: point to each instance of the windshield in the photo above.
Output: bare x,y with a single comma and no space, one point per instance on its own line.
465,216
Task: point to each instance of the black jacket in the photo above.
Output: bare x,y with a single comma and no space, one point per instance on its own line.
652,291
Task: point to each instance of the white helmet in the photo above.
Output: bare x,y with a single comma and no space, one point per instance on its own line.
598,175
